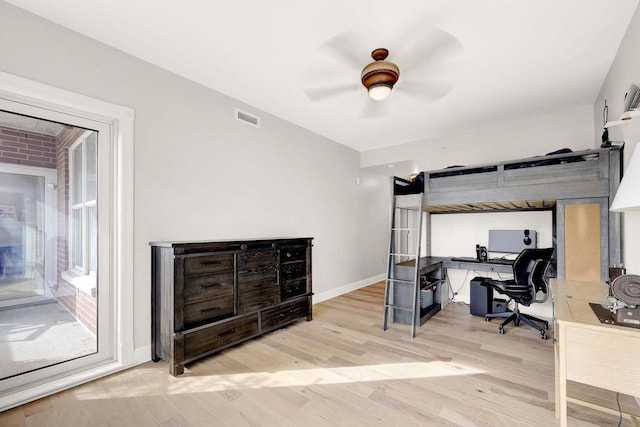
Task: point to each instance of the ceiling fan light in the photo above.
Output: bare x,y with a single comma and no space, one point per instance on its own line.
379,92
379,76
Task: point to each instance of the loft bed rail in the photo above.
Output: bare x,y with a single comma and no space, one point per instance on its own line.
525,184
536,161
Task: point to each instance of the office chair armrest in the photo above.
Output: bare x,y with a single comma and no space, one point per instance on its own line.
497,284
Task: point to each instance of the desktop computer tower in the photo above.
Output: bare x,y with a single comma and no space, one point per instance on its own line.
481,298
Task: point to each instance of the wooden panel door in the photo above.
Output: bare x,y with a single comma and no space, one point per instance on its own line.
583,243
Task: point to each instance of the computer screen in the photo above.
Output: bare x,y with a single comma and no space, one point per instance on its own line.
511,241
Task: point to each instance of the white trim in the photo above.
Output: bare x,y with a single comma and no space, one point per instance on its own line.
42,390
23,95
332,293
143,354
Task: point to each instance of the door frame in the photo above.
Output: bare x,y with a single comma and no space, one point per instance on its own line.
116,228
50,252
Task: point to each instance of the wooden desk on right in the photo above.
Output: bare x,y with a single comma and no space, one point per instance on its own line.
587,351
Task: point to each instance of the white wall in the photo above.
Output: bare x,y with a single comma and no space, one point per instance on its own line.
624,71
533,136
200,174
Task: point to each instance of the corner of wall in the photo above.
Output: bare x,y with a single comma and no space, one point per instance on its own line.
332,293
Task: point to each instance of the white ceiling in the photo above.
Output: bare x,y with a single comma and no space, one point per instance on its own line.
514,58
43,127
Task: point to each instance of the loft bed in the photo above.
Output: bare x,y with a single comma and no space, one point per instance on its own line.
559,182
527,184
569,183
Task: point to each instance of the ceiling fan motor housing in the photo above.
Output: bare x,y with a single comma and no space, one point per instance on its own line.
380,72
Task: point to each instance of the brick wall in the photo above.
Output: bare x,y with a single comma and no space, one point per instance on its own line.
27,148
80,304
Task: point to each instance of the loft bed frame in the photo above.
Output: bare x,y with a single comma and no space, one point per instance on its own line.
547,182
526,184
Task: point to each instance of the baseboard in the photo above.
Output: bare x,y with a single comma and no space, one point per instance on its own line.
332,293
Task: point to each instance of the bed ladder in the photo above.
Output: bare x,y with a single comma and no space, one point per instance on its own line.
404,247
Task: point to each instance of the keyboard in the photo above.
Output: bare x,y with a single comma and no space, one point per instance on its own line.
502,261
465,259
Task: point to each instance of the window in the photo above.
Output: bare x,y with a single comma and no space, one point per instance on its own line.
83,186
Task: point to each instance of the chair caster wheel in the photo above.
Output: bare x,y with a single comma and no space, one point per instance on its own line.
501,330
543,336
516,322
546,325
486,319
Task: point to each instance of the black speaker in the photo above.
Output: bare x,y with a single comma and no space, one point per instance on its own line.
481,298
498,306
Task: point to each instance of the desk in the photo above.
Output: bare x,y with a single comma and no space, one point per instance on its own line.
432,263
587,351
435,268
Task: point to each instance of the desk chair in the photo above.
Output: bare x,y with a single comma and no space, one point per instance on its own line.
528,281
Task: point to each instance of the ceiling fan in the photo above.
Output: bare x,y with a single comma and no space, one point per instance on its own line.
419,57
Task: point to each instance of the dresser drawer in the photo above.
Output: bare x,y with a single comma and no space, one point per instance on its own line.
284,314
204,287
293,288
194,266
219,335
293,270
293,253
258,280
254,262
257,299
201,312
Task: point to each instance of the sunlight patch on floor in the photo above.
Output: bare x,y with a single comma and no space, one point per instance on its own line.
288,378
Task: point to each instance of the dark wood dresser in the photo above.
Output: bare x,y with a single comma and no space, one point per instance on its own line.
207,296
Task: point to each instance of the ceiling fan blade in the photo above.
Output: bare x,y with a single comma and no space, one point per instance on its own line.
435,46
427,89
374,109
325,93
347,48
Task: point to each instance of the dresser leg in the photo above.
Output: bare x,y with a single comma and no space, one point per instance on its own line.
176,370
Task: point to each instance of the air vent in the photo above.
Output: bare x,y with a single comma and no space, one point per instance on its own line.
247,118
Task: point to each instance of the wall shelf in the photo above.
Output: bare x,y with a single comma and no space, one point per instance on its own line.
630,114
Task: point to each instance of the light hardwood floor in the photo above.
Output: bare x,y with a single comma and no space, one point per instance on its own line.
340,370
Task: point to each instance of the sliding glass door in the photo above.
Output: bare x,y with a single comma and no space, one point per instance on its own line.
49,260
23,234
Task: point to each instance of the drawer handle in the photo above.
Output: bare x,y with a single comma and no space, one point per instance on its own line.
284,314
210,285
225,333
207,263
209,310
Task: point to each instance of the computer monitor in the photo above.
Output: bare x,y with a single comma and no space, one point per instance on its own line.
511,241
